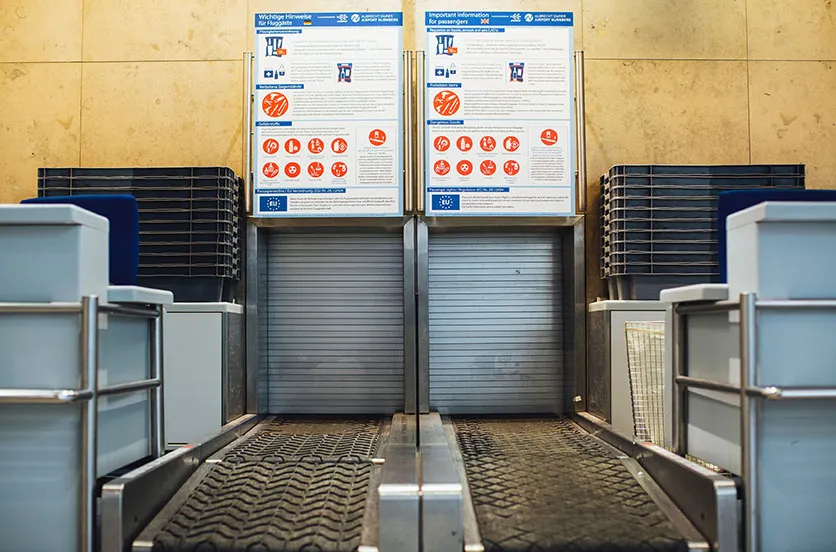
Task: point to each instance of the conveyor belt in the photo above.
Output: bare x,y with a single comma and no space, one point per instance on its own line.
290,485
542,484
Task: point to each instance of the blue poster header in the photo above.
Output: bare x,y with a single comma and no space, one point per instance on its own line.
498,19
335,19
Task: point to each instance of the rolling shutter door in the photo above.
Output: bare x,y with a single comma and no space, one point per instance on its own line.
495,322
333,328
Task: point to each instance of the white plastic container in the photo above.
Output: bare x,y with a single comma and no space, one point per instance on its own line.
783,250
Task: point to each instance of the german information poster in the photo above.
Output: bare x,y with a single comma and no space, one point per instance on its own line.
500,118
328,114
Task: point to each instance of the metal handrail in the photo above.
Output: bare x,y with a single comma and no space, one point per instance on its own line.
89,392
749,392
770,392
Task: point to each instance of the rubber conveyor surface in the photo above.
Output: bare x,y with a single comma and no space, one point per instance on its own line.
542,484
289,485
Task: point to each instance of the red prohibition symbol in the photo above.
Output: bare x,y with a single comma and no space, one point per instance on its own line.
292,170
316,170
270,170
339,169
441,143
339,145
487,167
292,146
315,145
270,146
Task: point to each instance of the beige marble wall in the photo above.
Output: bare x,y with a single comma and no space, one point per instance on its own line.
152,82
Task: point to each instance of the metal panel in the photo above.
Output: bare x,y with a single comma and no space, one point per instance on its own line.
496,322
334,332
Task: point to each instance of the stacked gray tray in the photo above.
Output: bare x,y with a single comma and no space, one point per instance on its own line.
659,222
189,222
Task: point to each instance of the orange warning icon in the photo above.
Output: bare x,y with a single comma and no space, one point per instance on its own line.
487,143
441,143
339,145
270,170
293,146
377,137
464,143
487,167
315,145
549,137
292,170
316,170
511,167
339,169
446,103
270,146
275,104
464,167
441,167
511,143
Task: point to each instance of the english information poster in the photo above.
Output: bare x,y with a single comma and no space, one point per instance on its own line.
328,114
500,117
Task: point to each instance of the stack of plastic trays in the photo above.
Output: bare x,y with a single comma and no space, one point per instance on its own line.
190,222
659,222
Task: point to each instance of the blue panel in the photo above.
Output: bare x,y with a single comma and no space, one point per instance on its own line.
272,203
446,202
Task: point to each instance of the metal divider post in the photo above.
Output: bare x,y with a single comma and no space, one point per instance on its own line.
89,411
748,416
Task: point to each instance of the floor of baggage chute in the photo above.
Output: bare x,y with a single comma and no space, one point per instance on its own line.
543,484
291,484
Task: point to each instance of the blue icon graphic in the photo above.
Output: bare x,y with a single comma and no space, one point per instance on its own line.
272,203
269,74
446,202
344,72
274,46
444,46
516,71
446,72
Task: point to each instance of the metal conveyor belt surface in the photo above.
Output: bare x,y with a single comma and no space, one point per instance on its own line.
291,484
543,484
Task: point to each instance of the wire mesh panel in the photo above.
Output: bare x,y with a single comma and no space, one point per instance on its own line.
645,363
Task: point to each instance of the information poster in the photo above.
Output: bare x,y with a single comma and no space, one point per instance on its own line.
500,117
328,114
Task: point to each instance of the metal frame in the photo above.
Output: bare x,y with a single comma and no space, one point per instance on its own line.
89,392
751,393
399,490
580,130
442,516
707,499
130,502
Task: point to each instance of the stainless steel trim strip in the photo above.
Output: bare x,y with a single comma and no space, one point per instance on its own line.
399,490
89,421
707,308
442,526
158,395
136,312
131,501
707,499
472,537
410,338
749,419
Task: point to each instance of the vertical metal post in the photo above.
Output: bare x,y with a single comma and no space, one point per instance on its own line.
410,316
251,315
680,392
158,393
246,133
580,129
421,127
423,298
409,137
89,426
748,417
